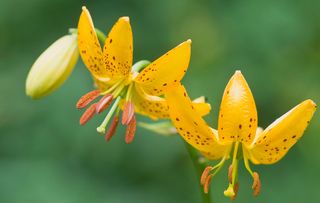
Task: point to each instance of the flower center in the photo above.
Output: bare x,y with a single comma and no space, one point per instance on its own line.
233,187
120,93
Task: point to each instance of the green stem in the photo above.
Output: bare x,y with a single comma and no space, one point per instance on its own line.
137,67
101,36
206,198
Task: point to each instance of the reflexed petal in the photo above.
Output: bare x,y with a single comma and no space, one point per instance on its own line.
156,107
118,49
166,71
89,47
191,126
275,141
238,114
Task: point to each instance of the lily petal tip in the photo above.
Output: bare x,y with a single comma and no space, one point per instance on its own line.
189,41
84,8
125,18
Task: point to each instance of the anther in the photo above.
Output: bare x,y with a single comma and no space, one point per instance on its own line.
112,128
235,189
131,129
87,99
104,102
256,186
230,174
205,174
128,113
88,114
206,184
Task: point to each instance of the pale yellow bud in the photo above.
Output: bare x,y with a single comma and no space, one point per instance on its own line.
52,67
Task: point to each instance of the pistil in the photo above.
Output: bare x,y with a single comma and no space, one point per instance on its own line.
102,128
230,191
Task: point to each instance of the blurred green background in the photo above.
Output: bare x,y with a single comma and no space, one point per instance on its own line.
45,156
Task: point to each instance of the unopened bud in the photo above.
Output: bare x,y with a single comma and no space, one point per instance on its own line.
52,67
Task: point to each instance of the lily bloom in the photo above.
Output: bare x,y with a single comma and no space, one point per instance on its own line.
237,131
134,88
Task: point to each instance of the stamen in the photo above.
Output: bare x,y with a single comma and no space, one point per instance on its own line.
104,102
88,114
206,178
230,174
87,99
112,128
128,113
207,184
235,189
256,186
131,129
205,174
102,128
233,172
113,87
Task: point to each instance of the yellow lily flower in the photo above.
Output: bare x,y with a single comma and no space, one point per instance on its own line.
237,128
117,79
52,67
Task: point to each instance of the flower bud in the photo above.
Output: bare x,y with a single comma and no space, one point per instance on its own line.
52,67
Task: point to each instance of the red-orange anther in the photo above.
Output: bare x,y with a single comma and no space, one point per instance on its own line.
87,99
206,184
256,186
131,129
235,189
205,174
104,102
128,113
88,114
230,174
112,128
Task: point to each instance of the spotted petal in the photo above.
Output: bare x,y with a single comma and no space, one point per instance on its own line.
118,49
276,140
89,47
191,126
238,114
166,71
156,107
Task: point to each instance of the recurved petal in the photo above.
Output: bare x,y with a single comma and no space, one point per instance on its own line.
166,71
238,114
118,49
276,140
157,108
89,47
191,126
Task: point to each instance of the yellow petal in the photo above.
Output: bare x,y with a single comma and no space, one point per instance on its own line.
89,47
166,71
191,126
118,49
275,141
238,114
152,106
156,107
52,67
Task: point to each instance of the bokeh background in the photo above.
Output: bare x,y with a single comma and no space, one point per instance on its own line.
45,156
